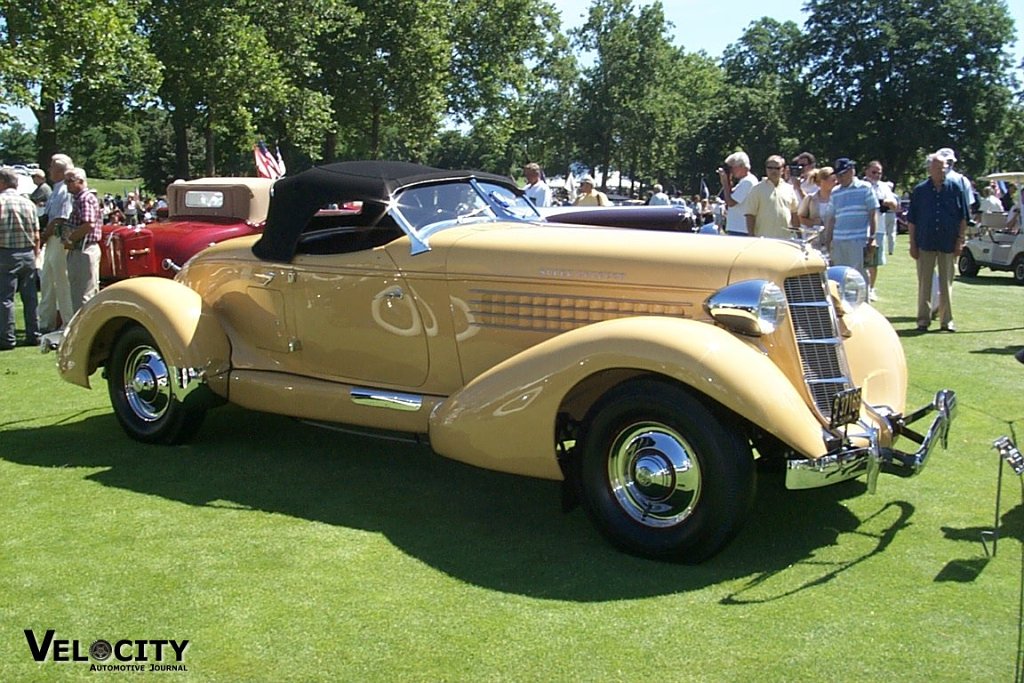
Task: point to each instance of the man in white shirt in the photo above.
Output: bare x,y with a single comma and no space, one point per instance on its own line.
56,289
537,191
659,198
737,182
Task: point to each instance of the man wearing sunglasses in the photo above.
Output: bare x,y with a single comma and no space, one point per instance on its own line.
771,207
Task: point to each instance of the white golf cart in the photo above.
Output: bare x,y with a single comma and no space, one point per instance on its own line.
995,245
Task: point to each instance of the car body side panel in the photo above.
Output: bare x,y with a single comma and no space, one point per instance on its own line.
185,329
505,418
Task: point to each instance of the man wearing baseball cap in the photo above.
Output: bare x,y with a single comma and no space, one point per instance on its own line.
854,219
948,157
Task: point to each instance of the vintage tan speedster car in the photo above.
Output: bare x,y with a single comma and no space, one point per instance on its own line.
639,367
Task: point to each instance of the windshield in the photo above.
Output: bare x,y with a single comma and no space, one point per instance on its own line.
427,209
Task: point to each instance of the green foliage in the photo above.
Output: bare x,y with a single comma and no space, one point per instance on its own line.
494,84
87,58
920,74
113,150
17,145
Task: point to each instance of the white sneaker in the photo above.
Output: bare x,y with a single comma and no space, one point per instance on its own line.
872,296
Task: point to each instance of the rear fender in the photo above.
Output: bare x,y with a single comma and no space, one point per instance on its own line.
185,329
505,418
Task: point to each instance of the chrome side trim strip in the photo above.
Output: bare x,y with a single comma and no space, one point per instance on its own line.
394,400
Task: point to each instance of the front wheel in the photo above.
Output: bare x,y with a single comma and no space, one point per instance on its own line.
662,477
139,384
966,264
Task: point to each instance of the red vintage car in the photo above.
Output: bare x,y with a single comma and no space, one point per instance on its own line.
200,213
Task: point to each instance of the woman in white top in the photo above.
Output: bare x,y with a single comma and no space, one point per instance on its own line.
816,207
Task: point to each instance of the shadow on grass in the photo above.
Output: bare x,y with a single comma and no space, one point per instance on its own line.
1003,351
1001,278
1011,526
494,530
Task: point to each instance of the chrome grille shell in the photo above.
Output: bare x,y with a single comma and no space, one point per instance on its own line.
818,340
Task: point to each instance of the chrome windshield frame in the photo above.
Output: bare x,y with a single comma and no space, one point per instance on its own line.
496,208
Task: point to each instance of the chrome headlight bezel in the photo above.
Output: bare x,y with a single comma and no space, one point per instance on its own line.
752,308
851,286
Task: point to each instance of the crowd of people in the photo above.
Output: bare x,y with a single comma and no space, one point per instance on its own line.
52,235
50,244
853,220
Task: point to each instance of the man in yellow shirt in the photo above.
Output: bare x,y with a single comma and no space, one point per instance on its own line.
771,206
589,196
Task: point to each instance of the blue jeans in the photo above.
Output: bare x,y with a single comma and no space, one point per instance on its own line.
18,274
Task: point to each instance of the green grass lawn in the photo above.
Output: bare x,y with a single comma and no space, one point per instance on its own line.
116,187
287,553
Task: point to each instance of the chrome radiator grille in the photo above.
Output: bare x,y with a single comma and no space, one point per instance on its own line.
817,338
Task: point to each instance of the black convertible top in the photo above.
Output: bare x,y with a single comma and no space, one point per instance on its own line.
296,199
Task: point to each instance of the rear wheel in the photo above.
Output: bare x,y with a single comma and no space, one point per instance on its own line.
662,477
1018,269
966,264
139,384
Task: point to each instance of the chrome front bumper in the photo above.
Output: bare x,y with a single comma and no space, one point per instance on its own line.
850,461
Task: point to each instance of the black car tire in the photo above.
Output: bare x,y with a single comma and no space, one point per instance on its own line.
966,264
139,384
1018,269
661,475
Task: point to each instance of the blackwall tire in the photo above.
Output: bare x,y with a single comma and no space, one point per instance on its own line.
139,384
966,264
661,475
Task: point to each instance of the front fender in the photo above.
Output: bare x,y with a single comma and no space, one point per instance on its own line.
876,359
505,418
187,332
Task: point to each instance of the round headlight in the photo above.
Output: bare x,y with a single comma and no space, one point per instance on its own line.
753,308
852,288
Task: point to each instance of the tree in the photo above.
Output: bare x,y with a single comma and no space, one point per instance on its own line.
110,150
60,57
632,104
921,74
219,73
303,35
387,78
510,72
17,144
764,97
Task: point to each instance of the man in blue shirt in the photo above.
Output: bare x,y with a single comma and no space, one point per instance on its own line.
937,221
854,218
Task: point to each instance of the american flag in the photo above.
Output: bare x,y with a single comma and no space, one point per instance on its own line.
268,165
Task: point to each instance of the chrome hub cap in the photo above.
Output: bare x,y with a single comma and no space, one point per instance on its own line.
147,385
654,474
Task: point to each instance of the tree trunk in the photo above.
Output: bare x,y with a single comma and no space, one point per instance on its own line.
46,132
182,169
606,161
330,148
375,131
211,164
